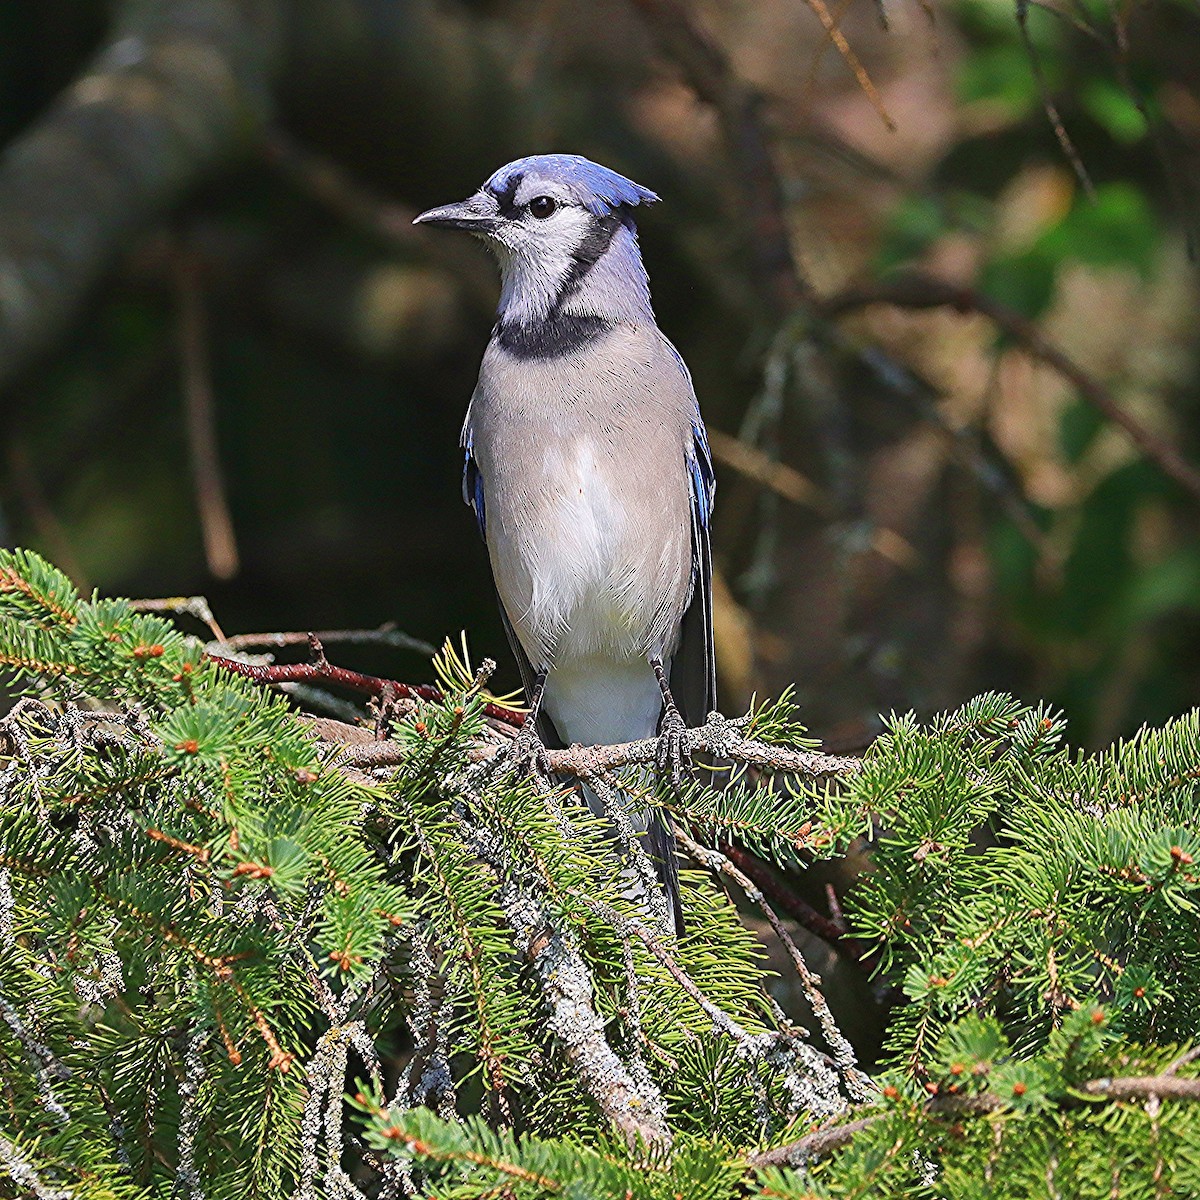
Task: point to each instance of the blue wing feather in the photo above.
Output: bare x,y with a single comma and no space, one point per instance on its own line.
704,481
694,668
472,486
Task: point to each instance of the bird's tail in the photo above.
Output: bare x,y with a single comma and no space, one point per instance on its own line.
662,850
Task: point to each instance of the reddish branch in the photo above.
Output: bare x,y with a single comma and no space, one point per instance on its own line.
794,905
922,291
321,670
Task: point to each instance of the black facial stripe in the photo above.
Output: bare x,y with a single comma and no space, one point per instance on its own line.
506,197
554,335
593,247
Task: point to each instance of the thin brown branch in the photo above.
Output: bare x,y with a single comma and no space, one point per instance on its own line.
28,487
333,187
1084,27
711,76
780,478
721,1020
212,501
795,906
323,671
192,606
810,76
1051,109
385,635
922,291
789,483
838,38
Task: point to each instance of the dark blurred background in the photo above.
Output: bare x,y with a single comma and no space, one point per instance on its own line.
229,365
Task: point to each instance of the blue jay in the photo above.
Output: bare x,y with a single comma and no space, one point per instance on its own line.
589,472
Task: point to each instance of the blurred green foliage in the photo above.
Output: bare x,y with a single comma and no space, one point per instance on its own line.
342,360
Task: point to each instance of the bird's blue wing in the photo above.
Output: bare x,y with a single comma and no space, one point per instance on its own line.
472,484
694,669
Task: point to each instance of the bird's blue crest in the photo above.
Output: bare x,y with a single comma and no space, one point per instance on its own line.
598,189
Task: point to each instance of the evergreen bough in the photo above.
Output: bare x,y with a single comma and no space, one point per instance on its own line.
235,964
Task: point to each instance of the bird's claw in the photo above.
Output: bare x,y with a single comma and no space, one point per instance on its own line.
672,756
527,754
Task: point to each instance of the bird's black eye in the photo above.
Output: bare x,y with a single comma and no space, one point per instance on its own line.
542,207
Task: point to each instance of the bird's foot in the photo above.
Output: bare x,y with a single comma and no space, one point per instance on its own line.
673,757
526,754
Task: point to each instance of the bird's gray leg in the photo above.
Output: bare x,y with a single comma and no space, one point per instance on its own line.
672,755
527,755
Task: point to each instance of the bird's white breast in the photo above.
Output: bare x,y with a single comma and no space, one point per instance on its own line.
581,561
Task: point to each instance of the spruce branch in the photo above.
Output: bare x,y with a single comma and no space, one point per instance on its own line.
857,1083
635,1108
386,635
1144,1087
186,866
830,929
719,737
813,1145
45,1063
833,1137
24,1174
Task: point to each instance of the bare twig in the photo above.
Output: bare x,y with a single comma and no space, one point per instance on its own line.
1186,1057
838,38
332,186
839,15
812,1145
719,737
371,685
212,503
833,1137
789,483
785,481
1052,115
1142,1087
192,606
385,635
28,486
721,1020
712,78
922,291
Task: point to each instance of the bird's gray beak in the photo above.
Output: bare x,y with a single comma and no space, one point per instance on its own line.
477,214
